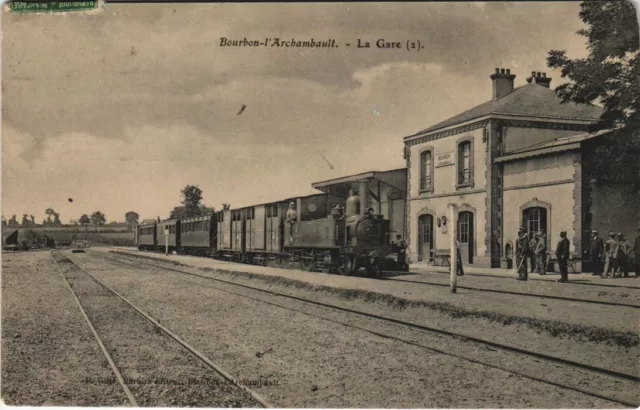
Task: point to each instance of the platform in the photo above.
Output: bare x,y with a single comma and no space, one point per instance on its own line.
431,287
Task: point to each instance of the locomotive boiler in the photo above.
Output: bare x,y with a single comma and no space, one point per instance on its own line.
343,242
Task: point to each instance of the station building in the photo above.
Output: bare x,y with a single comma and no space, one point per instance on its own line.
520,159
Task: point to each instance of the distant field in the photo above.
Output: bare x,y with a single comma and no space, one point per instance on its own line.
105,236
7,230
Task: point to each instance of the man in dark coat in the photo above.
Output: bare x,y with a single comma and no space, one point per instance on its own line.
595,252
401,246
459,269
562,252
636,254
522,251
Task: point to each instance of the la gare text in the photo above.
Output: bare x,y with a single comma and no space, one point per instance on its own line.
381,43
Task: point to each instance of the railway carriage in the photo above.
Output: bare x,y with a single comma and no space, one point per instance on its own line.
197,236
223,227
330,231
168,233
146,237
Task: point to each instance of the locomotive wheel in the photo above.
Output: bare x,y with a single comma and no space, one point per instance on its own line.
347,266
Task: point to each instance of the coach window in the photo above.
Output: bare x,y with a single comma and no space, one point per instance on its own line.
464,162
426,170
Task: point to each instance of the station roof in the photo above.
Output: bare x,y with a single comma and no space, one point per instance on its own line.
532,100
395,178
557,145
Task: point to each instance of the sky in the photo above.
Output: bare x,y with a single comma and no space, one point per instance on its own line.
121,108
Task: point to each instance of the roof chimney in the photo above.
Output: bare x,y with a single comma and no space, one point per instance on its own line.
539,78
502,82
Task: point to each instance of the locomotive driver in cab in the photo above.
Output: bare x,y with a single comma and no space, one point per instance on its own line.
291,217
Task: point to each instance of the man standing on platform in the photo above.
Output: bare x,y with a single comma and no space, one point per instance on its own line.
610,247
533,242
595,252
562,252
522,252
459,269
541,253
401,248
624,255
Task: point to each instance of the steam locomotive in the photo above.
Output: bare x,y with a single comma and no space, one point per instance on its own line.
316,232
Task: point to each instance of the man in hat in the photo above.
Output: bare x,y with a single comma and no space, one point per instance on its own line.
522,252
595,252
533,242
291,217
541,253
610,247
401,246
459,269
636,254
562,252
624,255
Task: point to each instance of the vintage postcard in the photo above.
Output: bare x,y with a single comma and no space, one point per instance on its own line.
321,205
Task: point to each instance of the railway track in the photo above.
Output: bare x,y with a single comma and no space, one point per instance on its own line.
624,381
510,292
196,364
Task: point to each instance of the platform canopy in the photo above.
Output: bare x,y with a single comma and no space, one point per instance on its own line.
395,179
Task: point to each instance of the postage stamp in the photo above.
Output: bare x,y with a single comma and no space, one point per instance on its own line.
51,6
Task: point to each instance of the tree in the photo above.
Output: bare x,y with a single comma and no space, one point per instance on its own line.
56,220
206,210
4,221
610,74
85,221
132,219
13,221
97,219
178,212
49,212
25,221
33,220
191,197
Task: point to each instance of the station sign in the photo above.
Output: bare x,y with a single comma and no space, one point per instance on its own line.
447,158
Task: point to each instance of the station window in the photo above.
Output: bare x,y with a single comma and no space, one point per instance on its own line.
465,163
426,170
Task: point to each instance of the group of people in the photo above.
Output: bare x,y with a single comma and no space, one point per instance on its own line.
614,257
534,247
